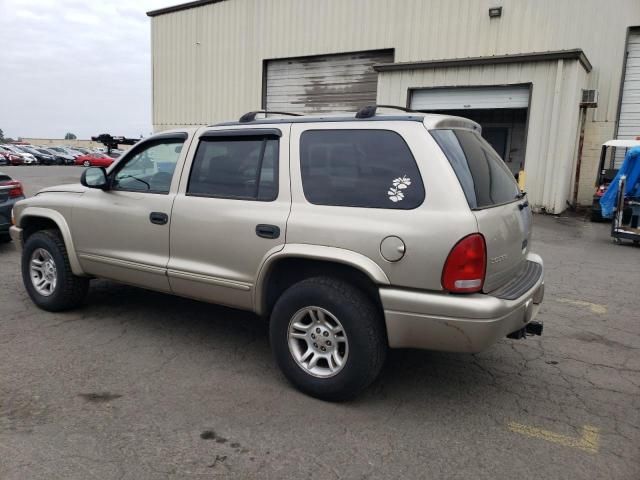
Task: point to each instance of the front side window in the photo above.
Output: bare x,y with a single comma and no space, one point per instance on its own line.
150,168
483,176
242,167
359,168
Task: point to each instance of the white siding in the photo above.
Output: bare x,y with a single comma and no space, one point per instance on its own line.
208,61
553,115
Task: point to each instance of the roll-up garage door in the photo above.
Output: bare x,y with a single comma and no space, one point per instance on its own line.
629,121
324,84
460,98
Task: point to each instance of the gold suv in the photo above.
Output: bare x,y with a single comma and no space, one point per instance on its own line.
352,234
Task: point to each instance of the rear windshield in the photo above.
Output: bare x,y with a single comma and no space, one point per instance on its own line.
484,177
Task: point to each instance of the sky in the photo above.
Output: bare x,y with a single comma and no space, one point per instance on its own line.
80,66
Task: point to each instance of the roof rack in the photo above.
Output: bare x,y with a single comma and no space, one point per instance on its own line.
370,110
251,116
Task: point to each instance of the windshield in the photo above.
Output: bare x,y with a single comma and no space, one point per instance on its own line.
483,176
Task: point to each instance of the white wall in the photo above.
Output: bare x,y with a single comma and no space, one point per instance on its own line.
207,61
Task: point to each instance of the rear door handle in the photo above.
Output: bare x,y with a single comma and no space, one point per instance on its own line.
159,218
267,231
524,205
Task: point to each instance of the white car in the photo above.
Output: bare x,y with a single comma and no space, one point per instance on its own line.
29,159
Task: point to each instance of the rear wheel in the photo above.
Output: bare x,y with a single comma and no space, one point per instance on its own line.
47,275
5,238
328,338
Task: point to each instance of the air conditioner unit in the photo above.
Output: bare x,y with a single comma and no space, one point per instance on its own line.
589,98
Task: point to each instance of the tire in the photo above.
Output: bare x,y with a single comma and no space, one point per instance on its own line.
69,290
363,326
5,238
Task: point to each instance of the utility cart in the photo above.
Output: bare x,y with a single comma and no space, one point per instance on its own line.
611,157
625,220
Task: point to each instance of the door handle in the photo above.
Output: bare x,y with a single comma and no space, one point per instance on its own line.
524,205
158,218
267,231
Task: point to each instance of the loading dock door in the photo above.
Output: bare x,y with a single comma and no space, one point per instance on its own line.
324,84
629,121
461,98
501,111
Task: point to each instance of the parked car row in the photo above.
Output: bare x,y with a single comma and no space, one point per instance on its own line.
14,154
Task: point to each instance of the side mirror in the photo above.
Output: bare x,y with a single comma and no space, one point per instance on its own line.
94,177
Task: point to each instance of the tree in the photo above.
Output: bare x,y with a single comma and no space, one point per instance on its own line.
1,135
70,136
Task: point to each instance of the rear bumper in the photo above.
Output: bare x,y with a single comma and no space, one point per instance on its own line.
456,323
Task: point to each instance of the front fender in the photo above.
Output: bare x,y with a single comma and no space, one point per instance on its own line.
315,252
63,226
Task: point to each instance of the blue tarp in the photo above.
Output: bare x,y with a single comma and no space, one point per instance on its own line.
631,168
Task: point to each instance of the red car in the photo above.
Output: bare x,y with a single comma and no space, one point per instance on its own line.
94,159
10,158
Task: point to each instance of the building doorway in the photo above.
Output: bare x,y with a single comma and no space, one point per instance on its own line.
501,111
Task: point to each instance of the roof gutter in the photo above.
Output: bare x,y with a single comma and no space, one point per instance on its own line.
182,6
573,54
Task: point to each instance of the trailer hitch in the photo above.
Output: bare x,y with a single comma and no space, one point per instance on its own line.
531,328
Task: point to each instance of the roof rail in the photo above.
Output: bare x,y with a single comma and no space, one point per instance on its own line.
251,116
370,110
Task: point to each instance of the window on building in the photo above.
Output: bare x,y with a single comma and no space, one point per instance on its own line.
235,167
359,168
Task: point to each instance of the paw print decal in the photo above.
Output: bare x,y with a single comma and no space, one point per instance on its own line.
395,192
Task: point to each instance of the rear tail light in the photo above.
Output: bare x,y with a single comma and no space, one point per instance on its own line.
16,190
466,265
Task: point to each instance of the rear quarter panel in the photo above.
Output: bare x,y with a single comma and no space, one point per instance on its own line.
428,231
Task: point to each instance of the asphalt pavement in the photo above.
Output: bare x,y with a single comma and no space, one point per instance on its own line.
142,385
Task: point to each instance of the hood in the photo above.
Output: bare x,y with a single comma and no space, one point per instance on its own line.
68,188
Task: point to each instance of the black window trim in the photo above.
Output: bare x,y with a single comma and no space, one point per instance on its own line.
266,134
155,140
424,190
245,132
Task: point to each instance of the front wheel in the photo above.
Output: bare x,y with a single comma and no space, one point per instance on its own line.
47,275
328,338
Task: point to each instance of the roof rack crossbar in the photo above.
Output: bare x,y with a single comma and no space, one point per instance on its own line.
370,110
251,116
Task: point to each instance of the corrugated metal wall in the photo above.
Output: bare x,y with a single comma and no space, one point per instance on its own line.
207,61
553,115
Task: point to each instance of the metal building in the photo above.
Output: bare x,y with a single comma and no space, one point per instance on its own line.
525,70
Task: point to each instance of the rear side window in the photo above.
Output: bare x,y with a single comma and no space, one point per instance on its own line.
359,168
244,168
484,177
